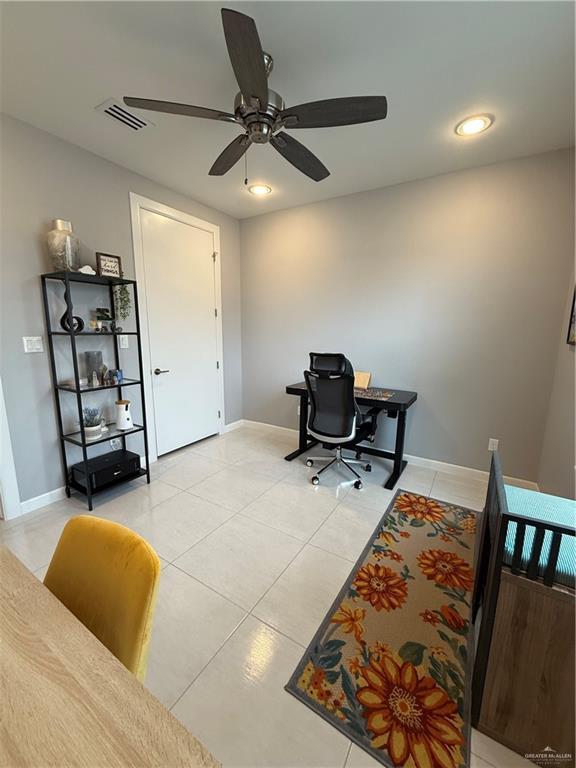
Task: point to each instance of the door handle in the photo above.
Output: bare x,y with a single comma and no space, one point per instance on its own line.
158,371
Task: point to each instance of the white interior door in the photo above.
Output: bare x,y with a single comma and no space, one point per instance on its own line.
182,329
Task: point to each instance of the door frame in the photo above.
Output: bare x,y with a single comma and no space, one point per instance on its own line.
9,492
139,203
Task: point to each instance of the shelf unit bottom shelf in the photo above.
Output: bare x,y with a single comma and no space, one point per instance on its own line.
112,484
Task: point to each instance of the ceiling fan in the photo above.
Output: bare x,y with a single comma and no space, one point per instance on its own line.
262,112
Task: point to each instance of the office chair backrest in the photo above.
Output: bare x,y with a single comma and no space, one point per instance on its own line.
330,384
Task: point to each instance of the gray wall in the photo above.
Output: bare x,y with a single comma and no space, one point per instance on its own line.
453,286
556,473
42,178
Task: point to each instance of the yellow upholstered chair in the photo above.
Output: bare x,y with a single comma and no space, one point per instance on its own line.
108,576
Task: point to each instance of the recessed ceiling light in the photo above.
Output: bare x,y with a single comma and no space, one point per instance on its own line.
260,190
474,124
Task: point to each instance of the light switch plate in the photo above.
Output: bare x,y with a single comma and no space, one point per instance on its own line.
123,341
33,344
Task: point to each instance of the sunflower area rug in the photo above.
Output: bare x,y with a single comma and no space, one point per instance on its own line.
389,664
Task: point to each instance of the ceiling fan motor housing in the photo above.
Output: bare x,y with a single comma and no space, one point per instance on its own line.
259,122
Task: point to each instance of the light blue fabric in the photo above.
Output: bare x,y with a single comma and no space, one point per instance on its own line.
552,509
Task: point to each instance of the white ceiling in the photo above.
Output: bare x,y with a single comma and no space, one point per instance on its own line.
435,61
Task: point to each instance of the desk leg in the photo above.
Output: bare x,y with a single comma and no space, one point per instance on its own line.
399,463
303,443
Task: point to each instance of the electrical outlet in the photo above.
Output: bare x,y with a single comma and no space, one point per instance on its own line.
492,444
123,341
33,344
116,444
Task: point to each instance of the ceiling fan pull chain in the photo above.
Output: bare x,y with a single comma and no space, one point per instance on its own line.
245,170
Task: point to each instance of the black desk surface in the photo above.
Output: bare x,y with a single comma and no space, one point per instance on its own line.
384,397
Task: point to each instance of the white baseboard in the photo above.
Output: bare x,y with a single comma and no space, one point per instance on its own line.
469,473
234,425
36,502
466,472
257,425
417,461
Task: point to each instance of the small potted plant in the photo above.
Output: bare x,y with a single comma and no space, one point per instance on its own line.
122,306
94,423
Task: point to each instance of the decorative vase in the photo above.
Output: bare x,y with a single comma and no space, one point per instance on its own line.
63,246
123,416
94,364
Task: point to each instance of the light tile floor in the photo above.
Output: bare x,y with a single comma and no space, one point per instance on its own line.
253,556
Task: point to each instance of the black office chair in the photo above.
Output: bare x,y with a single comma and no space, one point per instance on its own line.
335,419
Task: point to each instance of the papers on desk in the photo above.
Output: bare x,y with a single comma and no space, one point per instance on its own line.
362,379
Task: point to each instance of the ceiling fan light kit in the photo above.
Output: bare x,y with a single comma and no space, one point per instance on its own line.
261,112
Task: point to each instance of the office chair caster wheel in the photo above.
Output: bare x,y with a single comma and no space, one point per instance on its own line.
368,468
315,480
358,485
309,463
358,456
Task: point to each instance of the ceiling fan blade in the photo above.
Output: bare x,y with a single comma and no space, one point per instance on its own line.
246,55
332,112
299,156
173,108
230,155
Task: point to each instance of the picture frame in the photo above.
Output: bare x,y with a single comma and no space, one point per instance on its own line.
108,265
571,336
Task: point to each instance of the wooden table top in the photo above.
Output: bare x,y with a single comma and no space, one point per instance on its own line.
385,397
65,700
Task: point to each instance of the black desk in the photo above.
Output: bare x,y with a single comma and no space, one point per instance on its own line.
394,401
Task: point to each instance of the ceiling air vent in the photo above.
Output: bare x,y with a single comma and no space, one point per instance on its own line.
116,109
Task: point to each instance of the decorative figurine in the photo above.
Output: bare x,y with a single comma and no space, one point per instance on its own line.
77,322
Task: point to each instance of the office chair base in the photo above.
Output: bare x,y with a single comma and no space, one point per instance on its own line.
339,460
367,466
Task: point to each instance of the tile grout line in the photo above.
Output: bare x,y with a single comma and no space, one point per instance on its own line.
488,762
276,580
347,754
210,660
207,586
328,552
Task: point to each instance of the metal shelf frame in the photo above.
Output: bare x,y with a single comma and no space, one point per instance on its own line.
79,438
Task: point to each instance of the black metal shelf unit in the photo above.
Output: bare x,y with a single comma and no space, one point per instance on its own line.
79,438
